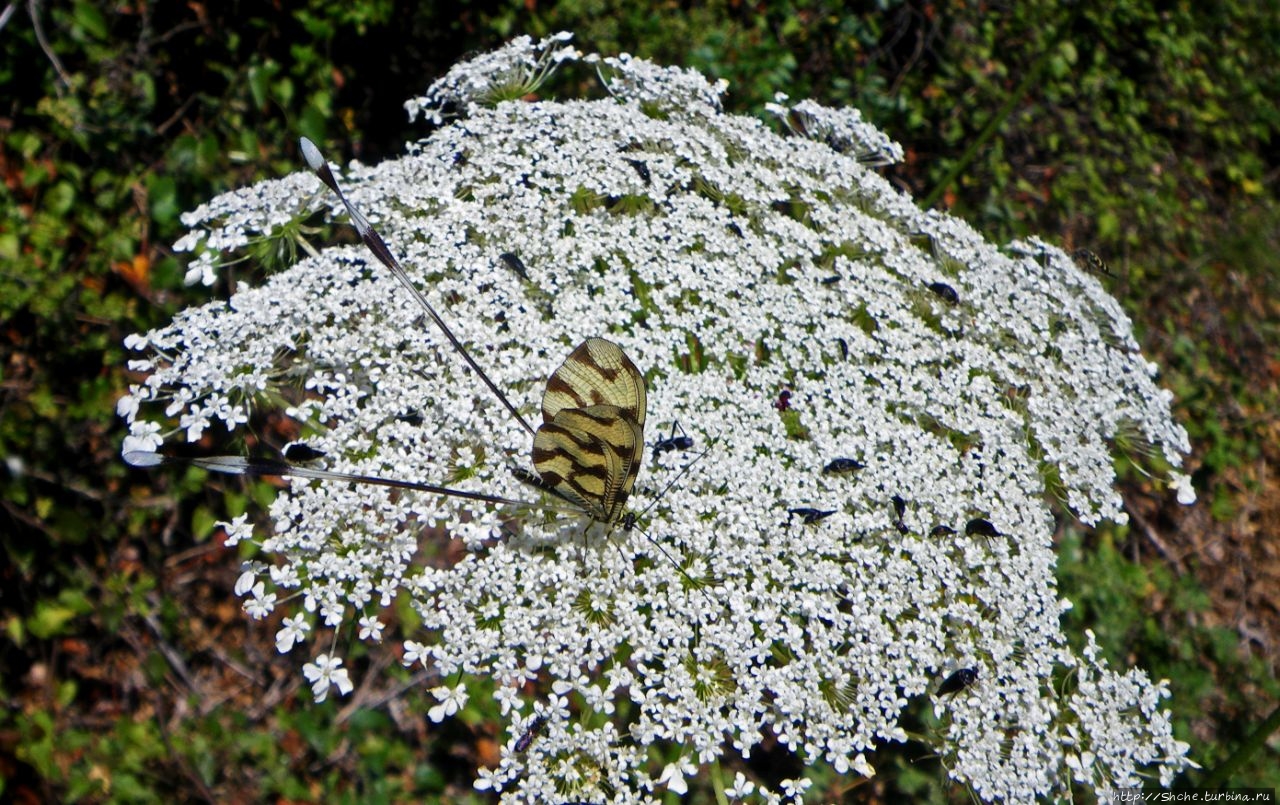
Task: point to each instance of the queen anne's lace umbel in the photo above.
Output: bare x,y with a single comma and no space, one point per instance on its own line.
731,263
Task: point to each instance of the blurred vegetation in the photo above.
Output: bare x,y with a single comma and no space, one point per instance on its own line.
1147,135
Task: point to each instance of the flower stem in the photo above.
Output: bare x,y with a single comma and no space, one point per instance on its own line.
717,782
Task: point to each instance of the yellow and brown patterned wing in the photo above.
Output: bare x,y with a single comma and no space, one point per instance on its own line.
590,456
596,373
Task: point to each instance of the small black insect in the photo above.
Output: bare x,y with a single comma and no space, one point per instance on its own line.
844,348
958,681
942,531
530,732
842,466
809,516
413,418
735,229
783,403
673,442
301,452
899,511
641,168
831,280
980,528
945,291
515,264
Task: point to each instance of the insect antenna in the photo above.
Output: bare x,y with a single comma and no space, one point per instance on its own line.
631,520
629,523
633,517
375,243
238,465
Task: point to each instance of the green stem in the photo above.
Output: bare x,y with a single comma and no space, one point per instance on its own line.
998,119
717,782
1219,776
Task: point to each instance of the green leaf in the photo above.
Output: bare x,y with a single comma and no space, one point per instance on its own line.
60,198
162,193
50,619
202,523
260,83
89,20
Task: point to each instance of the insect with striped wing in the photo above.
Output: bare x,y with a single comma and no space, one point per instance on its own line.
589,447
587,451
1091,262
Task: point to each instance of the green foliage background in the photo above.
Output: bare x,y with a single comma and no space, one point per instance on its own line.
1144,132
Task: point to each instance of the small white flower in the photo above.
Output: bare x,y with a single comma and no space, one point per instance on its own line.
135,341
742,787
451,701
291,633
127,406
238,529
249,572
1182,483
488,780
863,767
324,673
415,652
371,628
144,437
674,774
795,788
262,602
199,272
285,576
332,612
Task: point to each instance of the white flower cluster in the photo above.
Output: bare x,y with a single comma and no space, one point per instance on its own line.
516,69
842,129
657,88
790,309
242,217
